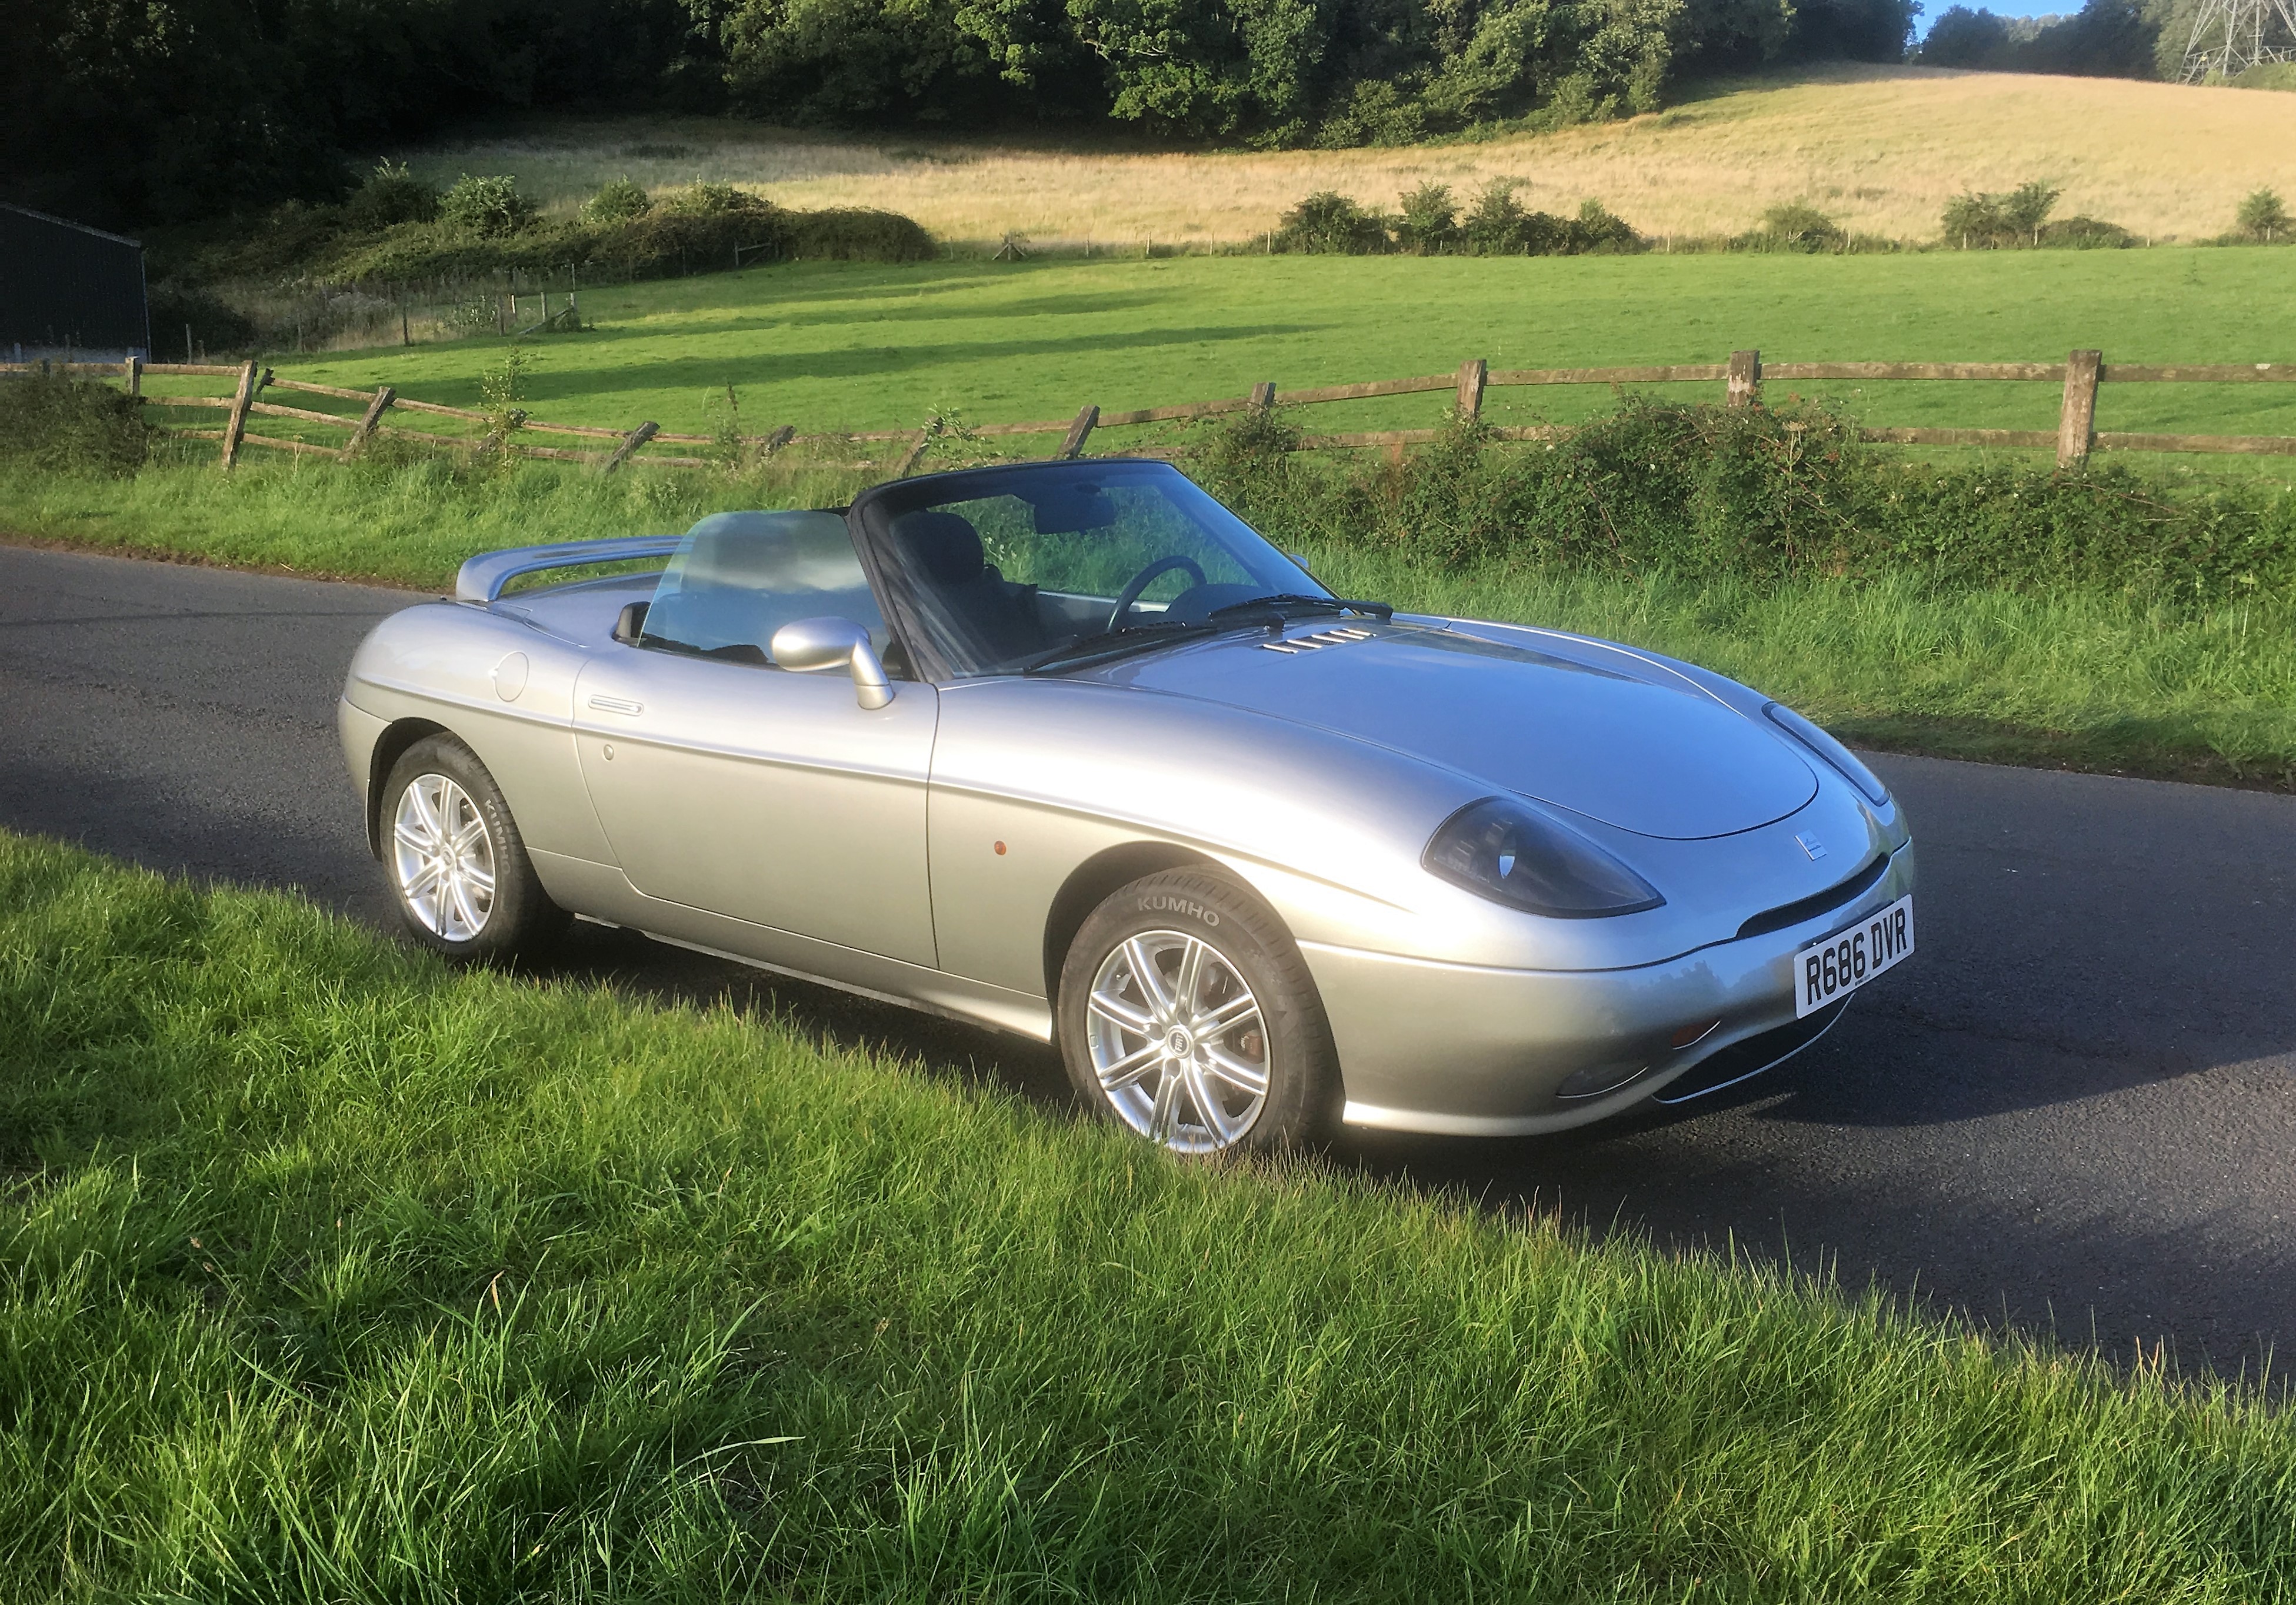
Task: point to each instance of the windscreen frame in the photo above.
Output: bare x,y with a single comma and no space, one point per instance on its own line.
872,512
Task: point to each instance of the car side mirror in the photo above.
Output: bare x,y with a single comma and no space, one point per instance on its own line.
816,645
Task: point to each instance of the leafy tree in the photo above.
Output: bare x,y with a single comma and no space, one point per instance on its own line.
2261,216
1962,37
390,195
1798,226
1328,223
714,201
1429,221
2027,207
2105,39
1493,224
1974,219
1990,220
617,201
490,208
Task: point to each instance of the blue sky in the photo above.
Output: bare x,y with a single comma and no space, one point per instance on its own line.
1932,10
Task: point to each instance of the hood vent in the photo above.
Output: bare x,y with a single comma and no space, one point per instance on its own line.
1341,636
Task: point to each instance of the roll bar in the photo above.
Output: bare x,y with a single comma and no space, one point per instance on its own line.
481,579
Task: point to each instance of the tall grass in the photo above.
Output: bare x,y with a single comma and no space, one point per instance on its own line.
328,1274
403,519
1881,149
2078,678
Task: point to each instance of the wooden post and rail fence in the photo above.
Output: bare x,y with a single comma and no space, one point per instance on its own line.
1741,378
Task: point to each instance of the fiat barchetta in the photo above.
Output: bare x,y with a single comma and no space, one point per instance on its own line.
1068,749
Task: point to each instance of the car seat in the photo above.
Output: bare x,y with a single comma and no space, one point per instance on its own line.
997,617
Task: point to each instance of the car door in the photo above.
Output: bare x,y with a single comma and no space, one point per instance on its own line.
728,785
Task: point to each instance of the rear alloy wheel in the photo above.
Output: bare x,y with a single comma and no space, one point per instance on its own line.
464,884
1187,1014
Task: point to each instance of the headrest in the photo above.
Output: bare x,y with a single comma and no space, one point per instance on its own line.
946,546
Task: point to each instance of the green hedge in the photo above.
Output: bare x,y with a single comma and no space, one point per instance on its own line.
661,243
1665,486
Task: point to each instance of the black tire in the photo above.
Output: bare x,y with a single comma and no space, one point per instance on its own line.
1293,1047
518,917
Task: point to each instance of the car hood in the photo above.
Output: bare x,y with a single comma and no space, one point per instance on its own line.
1592,729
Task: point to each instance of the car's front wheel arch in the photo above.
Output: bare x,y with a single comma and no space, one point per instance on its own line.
1093,882
389,747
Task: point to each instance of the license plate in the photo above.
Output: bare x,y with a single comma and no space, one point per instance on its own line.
1827,971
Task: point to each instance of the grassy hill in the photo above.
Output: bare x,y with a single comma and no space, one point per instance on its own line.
1881,148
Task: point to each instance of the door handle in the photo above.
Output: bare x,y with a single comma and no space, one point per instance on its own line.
616,704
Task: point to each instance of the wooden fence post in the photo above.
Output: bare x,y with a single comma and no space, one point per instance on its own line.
630,443
234,428
2076,423
1079,432
371,419
914,455
1263,394
131,373
1744,384
1472,374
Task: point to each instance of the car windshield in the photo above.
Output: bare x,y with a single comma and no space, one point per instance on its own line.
1003,570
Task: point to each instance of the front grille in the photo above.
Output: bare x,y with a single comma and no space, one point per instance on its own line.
1817,902
1743,1060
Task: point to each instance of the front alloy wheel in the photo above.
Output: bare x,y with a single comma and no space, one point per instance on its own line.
1187,1014
1177,1041
445,859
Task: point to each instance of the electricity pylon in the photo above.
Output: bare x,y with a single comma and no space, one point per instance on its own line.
2229,37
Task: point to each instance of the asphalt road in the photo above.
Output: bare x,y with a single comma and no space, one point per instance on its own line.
2074,1109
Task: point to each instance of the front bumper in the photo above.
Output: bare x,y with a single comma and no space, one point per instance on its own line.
1468,1052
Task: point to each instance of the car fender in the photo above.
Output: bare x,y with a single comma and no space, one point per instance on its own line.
500,685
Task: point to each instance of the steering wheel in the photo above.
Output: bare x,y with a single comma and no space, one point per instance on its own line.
1145,578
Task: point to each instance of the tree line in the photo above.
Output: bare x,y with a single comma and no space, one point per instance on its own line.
2104,38
176,109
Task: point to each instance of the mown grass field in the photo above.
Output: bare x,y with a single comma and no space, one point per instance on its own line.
830,346
326,1274
1882,149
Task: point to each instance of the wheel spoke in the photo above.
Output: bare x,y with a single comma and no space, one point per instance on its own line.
1131,1067
407,835
1242,1074
427,810
1230,1015
1191,978
1208,1109
425,880
470,835
1164,1119
461,895
482,880
1148,977
1117,1012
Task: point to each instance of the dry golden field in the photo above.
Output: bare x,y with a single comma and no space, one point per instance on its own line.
1881,148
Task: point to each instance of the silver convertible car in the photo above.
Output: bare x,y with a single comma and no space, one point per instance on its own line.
1066,749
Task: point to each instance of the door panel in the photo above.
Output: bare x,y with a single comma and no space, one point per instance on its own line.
763,796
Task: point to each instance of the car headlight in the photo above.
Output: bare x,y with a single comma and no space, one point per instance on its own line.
1824,745
1502,851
